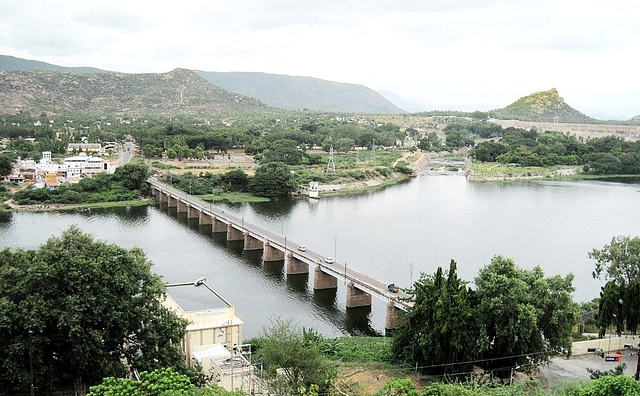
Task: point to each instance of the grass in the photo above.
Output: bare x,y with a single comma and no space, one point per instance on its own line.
232,197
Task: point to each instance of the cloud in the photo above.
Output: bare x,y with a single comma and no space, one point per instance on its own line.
459,51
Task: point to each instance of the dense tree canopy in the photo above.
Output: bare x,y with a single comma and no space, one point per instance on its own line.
619,263
441,329
81,308
525,316
272,180
513,317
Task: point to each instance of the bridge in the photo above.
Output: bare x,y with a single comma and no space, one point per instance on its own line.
360,287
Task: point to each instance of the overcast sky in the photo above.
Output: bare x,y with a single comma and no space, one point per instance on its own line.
450,53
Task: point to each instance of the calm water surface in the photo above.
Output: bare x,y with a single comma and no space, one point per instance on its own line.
393,234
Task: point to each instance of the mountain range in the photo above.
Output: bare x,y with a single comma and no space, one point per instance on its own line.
35,87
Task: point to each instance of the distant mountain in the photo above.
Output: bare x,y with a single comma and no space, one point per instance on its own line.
545,106
11,63
297,93
401,102
179,91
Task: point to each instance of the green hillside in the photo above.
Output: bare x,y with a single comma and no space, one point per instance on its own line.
177,92
296,93
545,106
12,63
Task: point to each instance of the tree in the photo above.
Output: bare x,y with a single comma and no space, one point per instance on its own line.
618,260
526,318
272,180
6,165
440,329
80,308
283,150
284,347
133,176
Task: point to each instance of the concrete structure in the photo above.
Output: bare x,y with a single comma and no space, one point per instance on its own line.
610,343
213,336
86,147
312,190
361,287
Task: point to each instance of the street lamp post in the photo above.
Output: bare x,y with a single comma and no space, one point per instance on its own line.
345,272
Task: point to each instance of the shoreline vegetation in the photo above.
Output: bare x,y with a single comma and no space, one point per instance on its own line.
474,172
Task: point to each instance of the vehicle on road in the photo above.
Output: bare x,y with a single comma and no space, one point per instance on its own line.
302,248
328,260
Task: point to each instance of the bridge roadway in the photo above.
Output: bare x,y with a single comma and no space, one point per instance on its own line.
339,270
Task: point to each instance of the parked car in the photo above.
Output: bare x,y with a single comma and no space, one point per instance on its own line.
302,248
328,260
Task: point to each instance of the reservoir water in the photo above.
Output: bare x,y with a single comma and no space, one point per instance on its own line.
392,234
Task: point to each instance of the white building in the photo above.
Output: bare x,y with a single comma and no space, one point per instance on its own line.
73,167
214,335
87,165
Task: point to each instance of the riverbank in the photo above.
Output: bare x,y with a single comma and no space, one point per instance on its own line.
10,206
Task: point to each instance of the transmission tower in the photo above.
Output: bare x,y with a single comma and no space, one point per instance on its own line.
331,165
373,149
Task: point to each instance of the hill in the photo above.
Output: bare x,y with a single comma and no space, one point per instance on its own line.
11,63
296,93
545,106
177,92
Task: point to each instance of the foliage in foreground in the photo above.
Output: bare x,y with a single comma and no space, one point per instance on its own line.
513,317
165,382
77,308
293,359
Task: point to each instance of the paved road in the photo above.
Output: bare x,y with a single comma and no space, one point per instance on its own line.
575,368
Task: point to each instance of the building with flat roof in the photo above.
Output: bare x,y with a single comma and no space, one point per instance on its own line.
214,334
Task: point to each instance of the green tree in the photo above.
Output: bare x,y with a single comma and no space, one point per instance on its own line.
440,330
133,176
81,308
284,348
618,260
283,150
344,145
526,317
6,165
272,180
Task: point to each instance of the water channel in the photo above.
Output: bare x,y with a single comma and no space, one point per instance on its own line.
392,234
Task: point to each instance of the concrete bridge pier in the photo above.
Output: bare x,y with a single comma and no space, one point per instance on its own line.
392,318
234,234
182,207
162,197
322,280
295,266
193,213
356,297
271,253
172,202
251,243
218,226
204,219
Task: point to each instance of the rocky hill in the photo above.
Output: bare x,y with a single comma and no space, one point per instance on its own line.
297,93
177,92
545,106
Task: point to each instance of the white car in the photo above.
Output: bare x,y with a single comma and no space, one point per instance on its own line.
328,260
302,248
